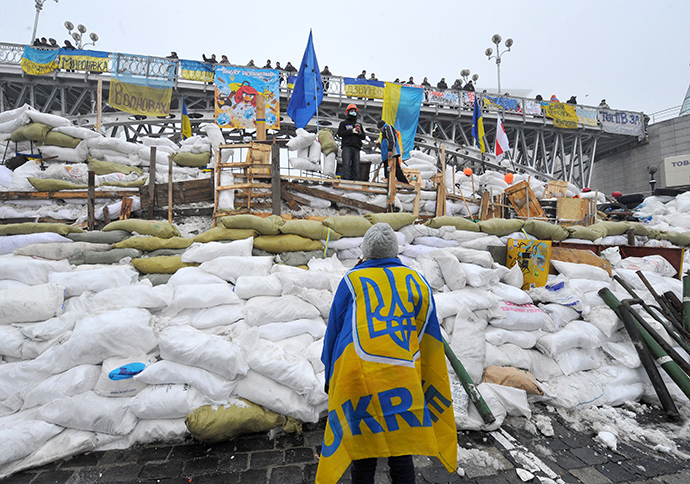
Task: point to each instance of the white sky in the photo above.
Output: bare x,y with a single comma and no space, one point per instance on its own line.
633,53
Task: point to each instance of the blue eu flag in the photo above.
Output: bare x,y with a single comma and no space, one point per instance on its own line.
308,91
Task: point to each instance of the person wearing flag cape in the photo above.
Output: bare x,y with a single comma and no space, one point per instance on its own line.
385,370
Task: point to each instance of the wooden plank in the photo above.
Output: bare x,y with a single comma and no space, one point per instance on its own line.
275,178
579,256
92,199
152,182
67,195
556,189
334,198
572,211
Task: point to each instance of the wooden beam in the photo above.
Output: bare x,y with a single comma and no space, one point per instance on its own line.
275,178
152,182
84,194
260,117
334,198
90,208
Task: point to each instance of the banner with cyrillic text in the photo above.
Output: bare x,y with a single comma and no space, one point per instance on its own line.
236,91
38,62
364,88
621,122
141,84
587,117
443,98
563,115
83,60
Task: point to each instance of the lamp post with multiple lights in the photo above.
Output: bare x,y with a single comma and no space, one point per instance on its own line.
496,39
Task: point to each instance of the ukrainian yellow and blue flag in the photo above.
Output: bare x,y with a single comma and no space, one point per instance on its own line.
388,387
478,126
401,107
197,71
37,62
186,125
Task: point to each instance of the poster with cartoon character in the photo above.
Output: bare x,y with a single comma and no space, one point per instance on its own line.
235,97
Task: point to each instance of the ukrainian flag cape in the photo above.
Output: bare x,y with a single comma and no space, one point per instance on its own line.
388,382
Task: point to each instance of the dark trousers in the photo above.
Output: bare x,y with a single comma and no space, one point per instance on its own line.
350,169
399,175
401,469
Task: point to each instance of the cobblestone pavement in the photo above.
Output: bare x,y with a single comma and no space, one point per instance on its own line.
568,457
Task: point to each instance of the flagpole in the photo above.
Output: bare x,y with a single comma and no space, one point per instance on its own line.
316,99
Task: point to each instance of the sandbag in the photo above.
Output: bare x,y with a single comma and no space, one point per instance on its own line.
205,252
189,346
11,243
395,220
221,233
105,167
55,138
201,296
264,310
232,267
500,227
36,227
348,225
160,265
33,303
277,244
311,229
512,377
59,250
460,223
265,226
148,244
52,120
585,233
144,227
31,132
77,282
328,144
210,424
116,379
169,401
112,256
98,237
52,185
28,270
192,159
209,384
545,230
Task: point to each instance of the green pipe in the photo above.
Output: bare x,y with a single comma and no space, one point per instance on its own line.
468,385
669,329
686,302
662,358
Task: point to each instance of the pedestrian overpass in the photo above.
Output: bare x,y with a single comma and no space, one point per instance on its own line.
538,147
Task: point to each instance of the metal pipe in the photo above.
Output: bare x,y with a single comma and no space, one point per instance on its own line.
469,385
644,352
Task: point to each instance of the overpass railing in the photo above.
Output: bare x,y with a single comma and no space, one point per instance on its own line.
342,88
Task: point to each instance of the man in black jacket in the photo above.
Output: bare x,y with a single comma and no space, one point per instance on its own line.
351,134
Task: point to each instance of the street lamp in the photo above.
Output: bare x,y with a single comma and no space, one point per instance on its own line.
496,39
78,36
465,74
39,7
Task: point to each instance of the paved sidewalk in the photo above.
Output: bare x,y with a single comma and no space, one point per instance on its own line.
568,457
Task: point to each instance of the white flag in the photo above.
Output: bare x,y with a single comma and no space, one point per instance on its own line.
502,144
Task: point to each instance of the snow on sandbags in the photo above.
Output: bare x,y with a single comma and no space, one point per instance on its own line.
34,303
77,282
30,271
189,346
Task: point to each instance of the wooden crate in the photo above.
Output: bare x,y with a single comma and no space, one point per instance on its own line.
524,201
556,189
575,211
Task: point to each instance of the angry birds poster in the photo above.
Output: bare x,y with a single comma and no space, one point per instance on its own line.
236,89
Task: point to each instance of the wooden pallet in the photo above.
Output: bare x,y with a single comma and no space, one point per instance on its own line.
524,201
575,211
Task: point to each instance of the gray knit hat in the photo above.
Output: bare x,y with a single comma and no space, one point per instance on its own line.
380,242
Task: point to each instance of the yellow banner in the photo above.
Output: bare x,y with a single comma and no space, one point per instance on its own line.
147,101
563,115
36,69
363,90
83,63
